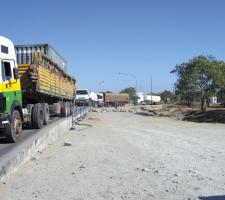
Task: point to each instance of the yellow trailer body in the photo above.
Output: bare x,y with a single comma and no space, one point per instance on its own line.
43,77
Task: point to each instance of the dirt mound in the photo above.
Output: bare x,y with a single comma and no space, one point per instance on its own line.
174,111
179,112
211,116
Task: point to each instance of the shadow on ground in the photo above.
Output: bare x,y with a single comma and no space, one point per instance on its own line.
145,113
212,198
84,127
211,116
3,140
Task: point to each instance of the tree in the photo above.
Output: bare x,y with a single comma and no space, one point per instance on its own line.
199,78
131,91
168,96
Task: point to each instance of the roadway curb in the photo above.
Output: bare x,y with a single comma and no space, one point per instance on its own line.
21,153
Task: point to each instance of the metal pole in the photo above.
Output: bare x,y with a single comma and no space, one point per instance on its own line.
151,88
101,82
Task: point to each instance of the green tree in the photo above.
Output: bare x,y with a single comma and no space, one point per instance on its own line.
168,96
131,91
199,78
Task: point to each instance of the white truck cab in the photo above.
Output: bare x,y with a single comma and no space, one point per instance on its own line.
100,99
86,97
8,65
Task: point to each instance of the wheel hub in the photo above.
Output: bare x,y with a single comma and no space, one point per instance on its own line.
17,126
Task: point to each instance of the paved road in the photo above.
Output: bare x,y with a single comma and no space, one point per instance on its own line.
6,147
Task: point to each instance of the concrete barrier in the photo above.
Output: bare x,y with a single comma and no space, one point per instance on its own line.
21,153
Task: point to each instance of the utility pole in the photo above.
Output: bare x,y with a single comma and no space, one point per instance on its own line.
100,83
133,76
151,87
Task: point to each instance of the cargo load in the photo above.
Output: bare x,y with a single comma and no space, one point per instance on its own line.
152,99
24,54
43,76
112,99
146,99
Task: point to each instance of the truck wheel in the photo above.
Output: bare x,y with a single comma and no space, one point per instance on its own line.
46,113
13,130
90,103
29,107
37,116
96,104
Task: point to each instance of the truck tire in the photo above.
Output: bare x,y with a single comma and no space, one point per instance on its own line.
13,130
46,113
90,102
96,104
29,107
37,117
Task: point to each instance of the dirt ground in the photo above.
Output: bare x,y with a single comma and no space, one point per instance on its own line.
126,155
213,114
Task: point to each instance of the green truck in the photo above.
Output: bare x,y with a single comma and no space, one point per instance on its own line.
31,92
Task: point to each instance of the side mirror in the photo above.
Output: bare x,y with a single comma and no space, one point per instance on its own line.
16,73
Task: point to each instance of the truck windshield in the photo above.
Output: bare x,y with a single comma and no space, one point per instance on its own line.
100,97
82,92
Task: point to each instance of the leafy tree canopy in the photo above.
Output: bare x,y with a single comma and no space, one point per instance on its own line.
130,90
199,78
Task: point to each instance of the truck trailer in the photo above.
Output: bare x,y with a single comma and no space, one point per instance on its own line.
113,99
31,91
145,99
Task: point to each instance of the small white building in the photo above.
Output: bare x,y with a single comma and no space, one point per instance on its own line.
212,100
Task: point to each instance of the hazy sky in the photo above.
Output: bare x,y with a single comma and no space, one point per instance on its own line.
99,39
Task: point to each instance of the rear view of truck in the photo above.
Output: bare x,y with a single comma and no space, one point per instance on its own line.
112,99
32,90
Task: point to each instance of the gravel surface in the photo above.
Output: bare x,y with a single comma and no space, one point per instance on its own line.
120,155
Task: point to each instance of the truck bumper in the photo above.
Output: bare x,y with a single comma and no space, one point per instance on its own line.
82,102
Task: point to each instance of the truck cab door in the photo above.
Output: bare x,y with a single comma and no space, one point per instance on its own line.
7,75
11,88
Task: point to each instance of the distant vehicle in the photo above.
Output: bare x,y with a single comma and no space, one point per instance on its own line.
86,97
100,99
152,99
213,100
144,99
139,98
32,89
113,99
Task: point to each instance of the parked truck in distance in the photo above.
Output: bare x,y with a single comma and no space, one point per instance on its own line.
145,99
85,97
100,99
113,99
32,90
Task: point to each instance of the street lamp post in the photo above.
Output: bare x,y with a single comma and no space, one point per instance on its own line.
151,87
100,83
131,75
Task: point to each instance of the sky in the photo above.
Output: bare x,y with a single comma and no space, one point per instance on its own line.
100,38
